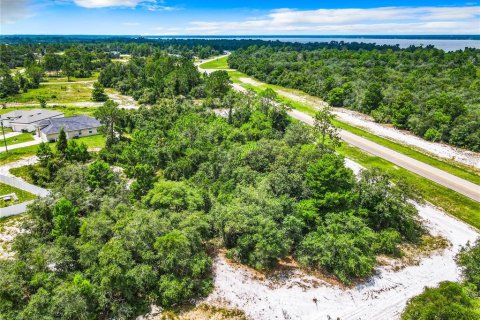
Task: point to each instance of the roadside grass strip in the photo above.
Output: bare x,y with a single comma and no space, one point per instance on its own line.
20,194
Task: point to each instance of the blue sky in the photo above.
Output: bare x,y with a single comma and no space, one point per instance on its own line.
247,17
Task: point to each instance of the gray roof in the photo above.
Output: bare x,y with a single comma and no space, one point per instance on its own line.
68,124
30,116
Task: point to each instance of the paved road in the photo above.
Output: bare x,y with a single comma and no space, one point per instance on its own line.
15,209
7,178
441,177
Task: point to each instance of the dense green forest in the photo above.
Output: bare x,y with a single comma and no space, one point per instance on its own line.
451,300
425,90
204,168
137,223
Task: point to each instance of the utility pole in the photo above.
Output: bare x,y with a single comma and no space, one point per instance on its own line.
4,139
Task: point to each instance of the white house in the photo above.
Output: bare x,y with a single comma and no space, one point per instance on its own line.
74,127
26,120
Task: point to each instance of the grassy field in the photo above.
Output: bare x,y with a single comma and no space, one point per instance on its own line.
57,93
22,195
53,79
24,137
456,204
97,141
216,64
67,110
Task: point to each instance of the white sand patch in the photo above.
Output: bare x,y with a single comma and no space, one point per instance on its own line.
383,297
239,88
8,231
354,166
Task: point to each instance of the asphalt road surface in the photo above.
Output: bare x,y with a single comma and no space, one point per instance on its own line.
441,177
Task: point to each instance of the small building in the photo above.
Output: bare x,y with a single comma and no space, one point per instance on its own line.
74,127
27,120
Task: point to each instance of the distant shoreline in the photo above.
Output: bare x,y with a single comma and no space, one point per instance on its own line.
443,42
193,36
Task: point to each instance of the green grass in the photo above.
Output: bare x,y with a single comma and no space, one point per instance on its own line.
17,154
96,141
67,110
24,137
22,195
62,78
53,93
452,202
23,172
220,63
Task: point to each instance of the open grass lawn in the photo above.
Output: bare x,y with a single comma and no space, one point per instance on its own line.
24,137
96,141
62,78
23,172
67,110
54,93
220,63
456,204
22,195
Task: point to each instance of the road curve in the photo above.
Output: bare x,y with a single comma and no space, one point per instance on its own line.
441,177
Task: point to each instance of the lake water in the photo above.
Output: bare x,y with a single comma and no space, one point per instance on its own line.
447,43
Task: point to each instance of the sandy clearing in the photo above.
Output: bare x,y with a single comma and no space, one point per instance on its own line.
383,297
8,231
252,82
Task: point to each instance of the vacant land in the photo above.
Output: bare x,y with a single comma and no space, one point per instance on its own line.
53,93
220,63
92,142
462,207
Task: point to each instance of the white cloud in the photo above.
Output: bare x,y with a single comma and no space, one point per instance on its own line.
106,3
152,5
387,20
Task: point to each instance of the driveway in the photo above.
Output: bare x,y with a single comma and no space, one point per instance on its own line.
36,140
